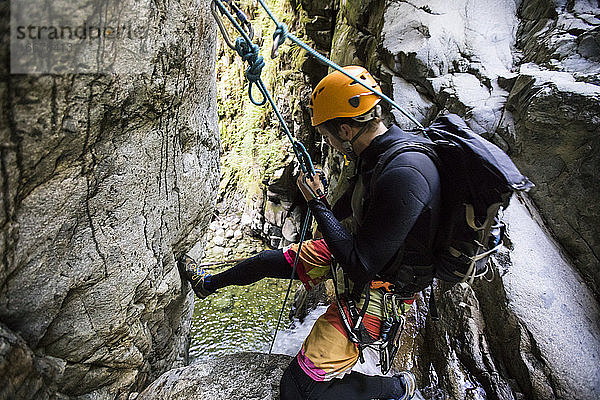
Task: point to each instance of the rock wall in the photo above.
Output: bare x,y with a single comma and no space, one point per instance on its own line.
105,179
513,337
553,127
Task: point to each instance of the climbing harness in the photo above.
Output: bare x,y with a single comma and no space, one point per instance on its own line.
249,52
392,326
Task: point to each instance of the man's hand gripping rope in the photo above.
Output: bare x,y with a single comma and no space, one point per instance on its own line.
312,187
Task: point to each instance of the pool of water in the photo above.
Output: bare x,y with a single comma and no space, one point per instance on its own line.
242,318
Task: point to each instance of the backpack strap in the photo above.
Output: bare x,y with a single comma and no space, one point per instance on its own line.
397,149
413,274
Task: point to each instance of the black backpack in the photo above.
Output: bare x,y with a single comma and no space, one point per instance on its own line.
477,180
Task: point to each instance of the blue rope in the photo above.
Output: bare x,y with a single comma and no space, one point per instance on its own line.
305,226
282,30
249,52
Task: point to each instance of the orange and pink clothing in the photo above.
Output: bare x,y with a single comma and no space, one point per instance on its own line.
327,352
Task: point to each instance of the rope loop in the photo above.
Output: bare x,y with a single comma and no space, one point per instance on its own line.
250,52
255,69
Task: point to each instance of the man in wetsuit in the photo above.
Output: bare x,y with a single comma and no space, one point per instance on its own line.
394,222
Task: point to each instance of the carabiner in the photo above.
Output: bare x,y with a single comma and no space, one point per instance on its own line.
213,10
387,304
242,18
281,33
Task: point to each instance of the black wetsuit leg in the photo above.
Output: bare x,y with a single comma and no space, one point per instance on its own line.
266,264
296,385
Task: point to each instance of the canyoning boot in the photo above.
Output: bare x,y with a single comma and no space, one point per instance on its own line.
410,384
192,272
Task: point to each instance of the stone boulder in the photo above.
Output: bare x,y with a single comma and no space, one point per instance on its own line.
106,179
236,377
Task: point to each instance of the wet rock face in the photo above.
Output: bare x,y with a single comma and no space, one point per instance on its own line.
500,339
542,332
256,376
105,180
459,352
553,127
525,334
462,58
450,56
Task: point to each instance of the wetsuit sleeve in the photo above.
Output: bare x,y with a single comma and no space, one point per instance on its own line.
400,194
342,208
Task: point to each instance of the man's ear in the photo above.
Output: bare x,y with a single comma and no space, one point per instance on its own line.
346,132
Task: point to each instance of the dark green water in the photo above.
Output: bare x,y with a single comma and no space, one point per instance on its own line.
238,318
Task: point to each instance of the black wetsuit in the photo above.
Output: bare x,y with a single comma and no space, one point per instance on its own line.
398,223
399,214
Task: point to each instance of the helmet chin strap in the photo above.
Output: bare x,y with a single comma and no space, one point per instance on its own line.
347,145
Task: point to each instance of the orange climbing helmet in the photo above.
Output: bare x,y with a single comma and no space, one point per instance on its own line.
339,96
